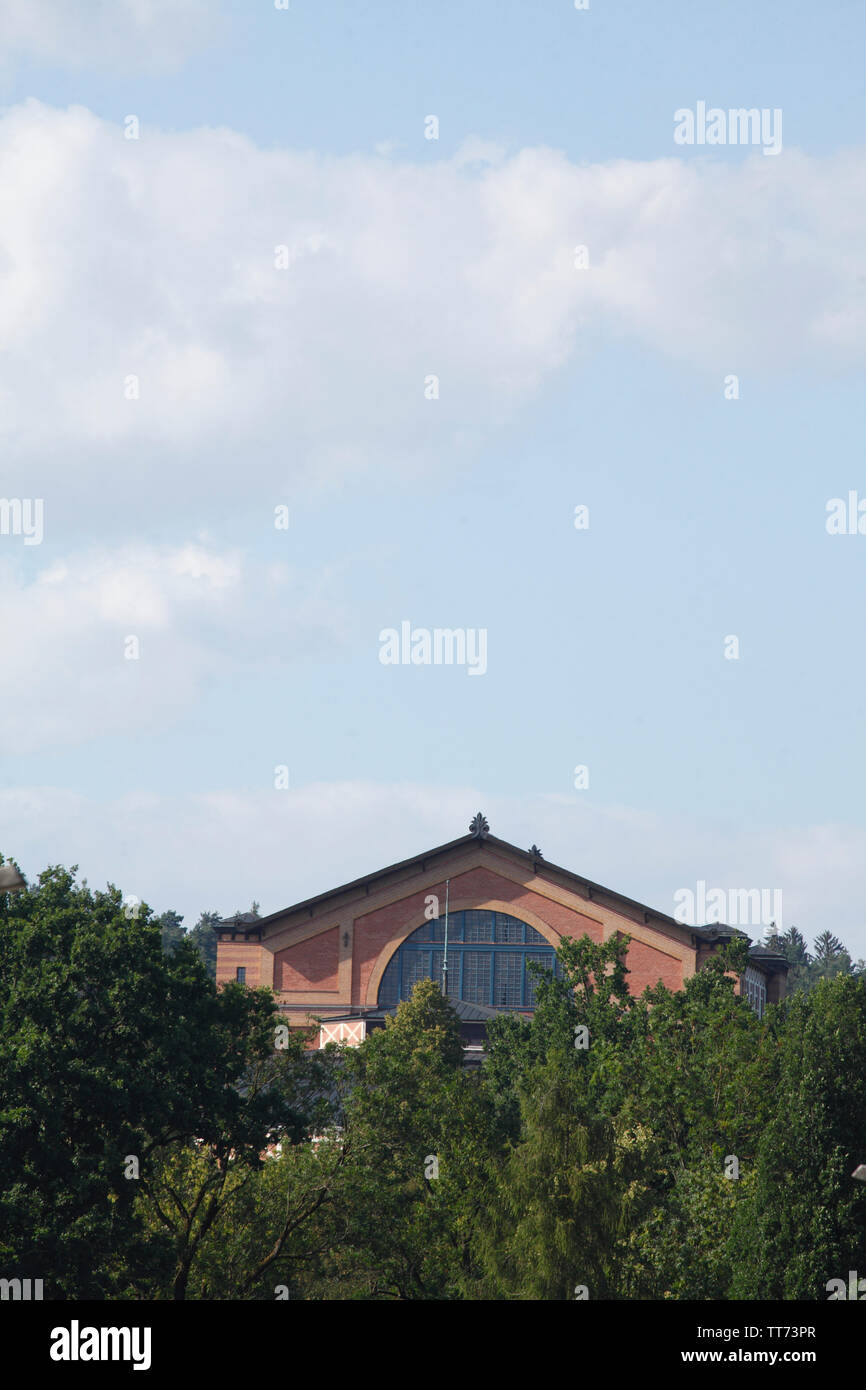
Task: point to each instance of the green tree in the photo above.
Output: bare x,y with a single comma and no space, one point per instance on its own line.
793,946
214,1201
690,1081
806,1223
692,1085
566,1000
418,1130
571,1178
171,929
829,958
617,1177
110,1050
682,1248
567,1191
271,1233
204,939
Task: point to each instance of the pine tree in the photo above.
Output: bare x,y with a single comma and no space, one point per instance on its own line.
171,929
203,937
829,958
793,945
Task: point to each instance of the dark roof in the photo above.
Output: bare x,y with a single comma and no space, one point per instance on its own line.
351,1015
468,1013
773,960
310,904
595,892
477,1013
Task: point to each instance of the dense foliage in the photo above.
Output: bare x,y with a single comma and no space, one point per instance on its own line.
672,1146
806,968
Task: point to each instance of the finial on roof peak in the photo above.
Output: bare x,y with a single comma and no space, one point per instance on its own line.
479,827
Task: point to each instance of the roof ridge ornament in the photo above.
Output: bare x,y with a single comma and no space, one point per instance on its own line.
479,827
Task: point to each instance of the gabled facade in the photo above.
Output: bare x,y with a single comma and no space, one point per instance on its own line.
356,950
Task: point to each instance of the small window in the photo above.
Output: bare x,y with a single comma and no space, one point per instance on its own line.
756,990
241,974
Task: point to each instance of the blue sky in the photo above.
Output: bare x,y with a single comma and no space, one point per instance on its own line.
558,386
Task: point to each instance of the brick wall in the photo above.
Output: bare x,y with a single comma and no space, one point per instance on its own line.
231,954
375,930
312,964
648,967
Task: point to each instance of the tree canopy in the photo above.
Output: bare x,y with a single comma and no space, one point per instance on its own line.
162,1138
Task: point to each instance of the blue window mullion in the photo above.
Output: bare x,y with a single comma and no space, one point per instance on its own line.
416,959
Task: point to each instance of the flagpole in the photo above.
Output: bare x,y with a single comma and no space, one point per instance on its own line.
445,955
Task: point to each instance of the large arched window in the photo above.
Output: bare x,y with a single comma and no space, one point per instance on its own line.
488,955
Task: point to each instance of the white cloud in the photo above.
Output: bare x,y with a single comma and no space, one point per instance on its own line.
156,258
65,676
280,847
133,33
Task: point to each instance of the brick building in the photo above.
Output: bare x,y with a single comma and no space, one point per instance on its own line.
348,956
